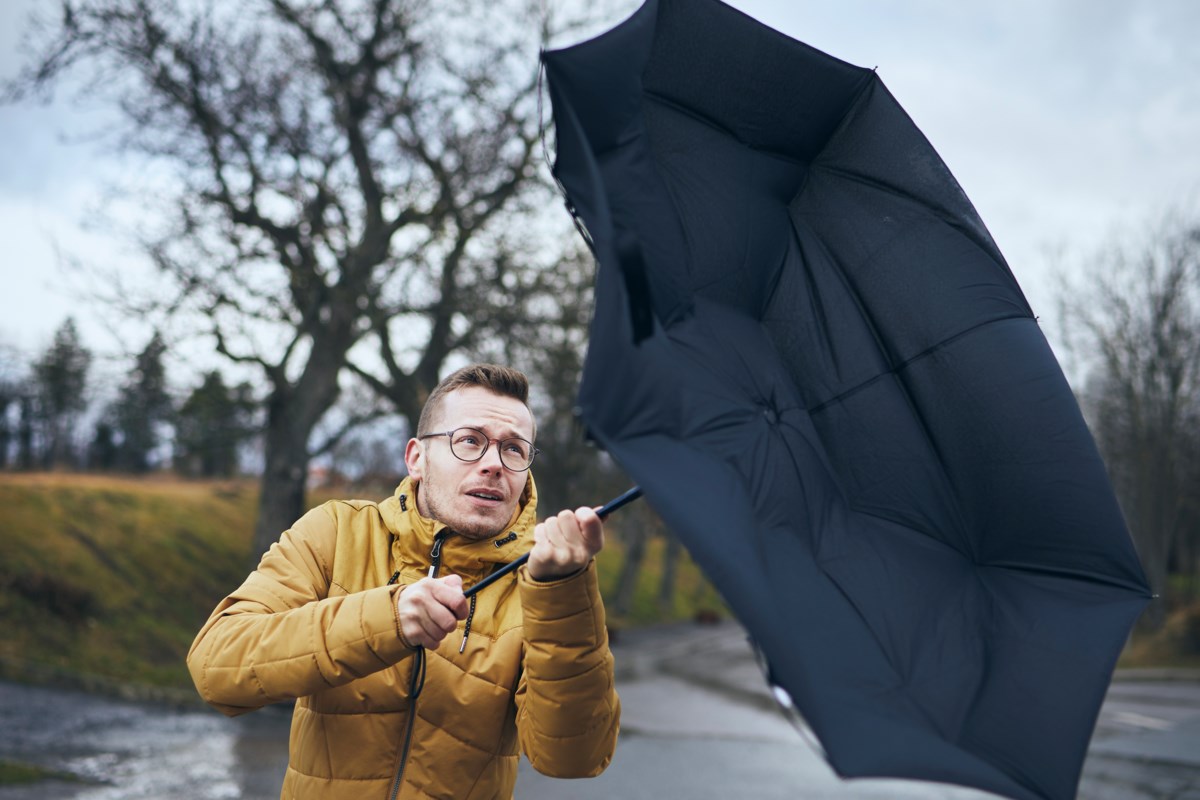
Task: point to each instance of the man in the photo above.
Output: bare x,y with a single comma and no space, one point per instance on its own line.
405,688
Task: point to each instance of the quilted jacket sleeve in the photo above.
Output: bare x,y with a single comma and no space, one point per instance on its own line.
281,636
568,712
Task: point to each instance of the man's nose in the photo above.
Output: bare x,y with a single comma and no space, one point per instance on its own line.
491,457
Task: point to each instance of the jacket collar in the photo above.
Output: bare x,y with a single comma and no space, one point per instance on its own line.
415,534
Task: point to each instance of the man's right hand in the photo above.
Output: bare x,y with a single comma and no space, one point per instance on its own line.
430,609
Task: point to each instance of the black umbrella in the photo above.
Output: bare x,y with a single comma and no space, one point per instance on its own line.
810,353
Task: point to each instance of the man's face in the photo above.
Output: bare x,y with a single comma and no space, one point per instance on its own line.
475,499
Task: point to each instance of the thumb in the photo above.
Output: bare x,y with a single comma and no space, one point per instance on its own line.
454,581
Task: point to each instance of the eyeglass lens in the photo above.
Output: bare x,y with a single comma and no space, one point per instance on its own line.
469,444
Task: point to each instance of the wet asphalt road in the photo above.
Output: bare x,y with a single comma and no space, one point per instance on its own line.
707,747
697,723
132,751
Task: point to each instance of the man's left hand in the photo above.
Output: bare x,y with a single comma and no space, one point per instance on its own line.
564,544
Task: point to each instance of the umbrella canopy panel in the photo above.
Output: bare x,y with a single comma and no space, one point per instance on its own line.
908,512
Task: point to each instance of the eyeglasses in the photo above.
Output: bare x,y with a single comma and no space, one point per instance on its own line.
469,444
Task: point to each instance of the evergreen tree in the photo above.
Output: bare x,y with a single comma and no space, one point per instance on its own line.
143,408
212,423
58,397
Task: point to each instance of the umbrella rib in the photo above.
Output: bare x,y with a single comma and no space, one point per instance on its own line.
662,99
1070,574
894,370
986,243
708,121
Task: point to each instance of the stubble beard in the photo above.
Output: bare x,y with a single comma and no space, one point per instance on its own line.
430,507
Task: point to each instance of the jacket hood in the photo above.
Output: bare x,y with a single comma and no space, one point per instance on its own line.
415,533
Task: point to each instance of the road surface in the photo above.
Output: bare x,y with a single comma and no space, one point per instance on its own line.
697,722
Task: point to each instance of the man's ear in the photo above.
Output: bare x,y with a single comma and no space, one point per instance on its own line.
414,459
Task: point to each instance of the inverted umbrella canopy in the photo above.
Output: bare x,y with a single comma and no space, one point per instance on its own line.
810,353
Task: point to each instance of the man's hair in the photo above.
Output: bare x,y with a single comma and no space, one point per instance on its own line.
504,381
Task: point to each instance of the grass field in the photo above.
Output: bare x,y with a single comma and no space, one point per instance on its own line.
105,580
109,578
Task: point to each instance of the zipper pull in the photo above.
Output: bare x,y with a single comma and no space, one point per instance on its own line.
395,577
435,554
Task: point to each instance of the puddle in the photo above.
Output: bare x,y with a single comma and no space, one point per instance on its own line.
127,751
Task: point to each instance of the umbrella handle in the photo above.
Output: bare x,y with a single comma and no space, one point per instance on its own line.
602,512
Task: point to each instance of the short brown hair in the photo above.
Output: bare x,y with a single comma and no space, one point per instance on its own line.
504,381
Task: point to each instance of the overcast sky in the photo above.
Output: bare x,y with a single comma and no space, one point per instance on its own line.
1067,122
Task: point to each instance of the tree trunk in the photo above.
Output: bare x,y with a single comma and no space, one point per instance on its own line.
631,568
5,437
53,455
1155,615
293,411
1154,535
281,494
25,455
666,586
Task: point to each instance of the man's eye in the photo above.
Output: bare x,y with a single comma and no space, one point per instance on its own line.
518,448
467,438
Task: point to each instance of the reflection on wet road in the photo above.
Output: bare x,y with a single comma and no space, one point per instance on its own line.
129,751
697,722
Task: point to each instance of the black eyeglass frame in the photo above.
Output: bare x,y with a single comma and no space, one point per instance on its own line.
487,442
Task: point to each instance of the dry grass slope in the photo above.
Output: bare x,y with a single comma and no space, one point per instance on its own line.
105,580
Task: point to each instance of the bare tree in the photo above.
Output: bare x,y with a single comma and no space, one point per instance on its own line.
345,180
1135,320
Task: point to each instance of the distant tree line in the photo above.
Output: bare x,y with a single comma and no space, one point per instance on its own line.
52,417
45,422
1133,320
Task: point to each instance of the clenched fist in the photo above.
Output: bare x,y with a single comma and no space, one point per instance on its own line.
430,609
564,544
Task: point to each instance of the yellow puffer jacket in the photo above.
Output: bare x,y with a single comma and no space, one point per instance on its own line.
317,621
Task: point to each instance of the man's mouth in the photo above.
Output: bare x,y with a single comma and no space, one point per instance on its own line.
484,494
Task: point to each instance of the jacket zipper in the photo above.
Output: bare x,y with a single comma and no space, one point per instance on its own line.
417,681
435,555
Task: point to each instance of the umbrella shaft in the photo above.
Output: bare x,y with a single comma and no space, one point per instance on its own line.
602,512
